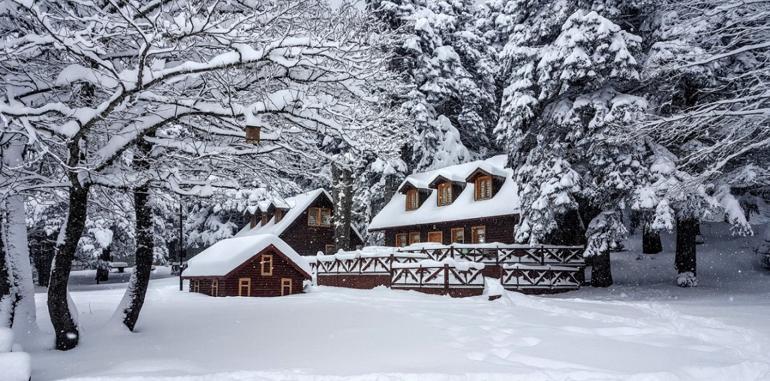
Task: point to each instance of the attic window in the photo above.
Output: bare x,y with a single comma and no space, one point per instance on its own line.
483,188
266,265
319,217
444,194
412,199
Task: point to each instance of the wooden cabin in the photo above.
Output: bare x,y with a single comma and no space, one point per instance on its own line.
303,221
475,202
254,265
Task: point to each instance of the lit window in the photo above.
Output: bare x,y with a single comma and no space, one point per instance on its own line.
444,194
458,235
326,217
401,240
483,187
436,237
319,217
414,237
479,234
267,265
412,198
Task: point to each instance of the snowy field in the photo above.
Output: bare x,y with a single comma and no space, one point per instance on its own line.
644,328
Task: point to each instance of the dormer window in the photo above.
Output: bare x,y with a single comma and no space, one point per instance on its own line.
483,188
412,199
278,215
444,194
265,219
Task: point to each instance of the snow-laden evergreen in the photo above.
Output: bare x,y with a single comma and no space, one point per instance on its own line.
447,70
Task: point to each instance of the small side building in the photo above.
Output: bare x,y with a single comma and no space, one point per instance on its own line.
254,265
304,221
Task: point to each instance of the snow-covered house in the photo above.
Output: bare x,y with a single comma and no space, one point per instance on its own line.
303,221
474,202
254,265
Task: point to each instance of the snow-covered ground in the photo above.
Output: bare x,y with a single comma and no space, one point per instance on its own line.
644,328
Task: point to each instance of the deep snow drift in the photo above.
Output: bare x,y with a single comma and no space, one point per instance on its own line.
644,328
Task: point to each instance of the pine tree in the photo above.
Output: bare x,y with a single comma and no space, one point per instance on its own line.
569,73
448,71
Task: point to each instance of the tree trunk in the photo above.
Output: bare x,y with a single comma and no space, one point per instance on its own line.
686,232
103,266
570,230
343,203
601,273
650,240
133,300
65,326
6,298
16,245
17,254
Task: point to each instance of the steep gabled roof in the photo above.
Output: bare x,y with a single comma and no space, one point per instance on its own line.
296,204
504,202
228,254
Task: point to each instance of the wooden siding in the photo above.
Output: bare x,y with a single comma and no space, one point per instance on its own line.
498,229
260,285
309,240
354,281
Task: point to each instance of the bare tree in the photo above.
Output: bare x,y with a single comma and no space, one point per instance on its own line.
97,80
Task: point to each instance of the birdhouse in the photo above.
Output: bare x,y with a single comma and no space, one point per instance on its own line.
252,134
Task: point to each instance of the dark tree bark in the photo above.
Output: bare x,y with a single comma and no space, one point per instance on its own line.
601,274
41,250
650,240
343,202
570,230
137,288
6,315
103,268
65,328
686,232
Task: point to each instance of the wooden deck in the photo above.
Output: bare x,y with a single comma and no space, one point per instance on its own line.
456,270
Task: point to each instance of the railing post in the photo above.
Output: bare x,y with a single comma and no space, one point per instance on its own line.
446,279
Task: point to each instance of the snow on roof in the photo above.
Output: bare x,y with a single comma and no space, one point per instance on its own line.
227,254
504,202
492,169
296,204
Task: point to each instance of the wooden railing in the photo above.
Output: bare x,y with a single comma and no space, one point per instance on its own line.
540,277
436,275
460,268
351,264
500,254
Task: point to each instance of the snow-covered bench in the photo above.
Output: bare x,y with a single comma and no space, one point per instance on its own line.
121,266
14,364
